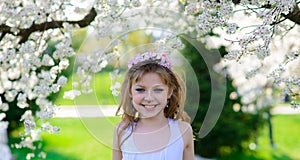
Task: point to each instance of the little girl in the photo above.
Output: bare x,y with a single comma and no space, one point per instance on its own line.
154,125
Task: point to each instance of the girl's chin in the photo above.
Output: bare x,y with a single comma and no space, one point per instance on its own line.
150,114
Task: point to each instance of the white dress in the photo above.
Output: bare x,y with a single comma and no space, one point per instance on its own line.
173,151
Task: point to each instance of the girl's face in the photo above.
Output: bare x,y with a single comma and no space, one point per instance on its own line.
149,95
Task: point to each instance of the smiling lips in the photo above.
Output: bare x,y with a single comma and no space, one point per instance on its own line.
149,107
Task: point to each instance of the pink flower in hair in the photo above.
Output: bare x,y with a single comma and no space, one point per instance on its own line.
161,59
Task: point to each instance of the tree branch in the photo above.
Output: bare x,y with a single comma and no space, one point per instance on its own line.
25,33
294,15
4,29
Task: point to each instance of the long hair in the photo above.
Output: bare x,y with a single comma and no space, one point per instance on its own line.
175,109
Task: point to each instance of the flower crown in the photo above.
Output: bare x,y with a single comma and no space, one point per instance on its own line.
161,59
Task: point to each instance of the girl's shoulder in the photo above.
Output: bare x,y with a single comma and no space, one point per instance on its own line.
121,125
184,126
186,132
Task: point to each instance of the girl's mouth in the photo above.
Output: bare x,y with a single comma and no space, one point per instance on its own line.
149,107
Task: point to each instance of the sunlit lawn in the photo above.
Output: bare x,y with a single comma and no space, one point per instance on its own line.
75,142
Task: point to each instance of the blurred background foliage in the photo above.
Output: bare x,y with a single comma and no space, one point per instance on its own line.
235,129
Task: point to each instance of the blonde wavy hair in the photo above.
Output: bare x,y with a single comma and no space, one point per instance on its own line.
175,109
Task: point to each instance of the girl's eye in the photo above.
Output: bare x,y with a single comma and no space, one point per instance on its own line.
139,89
158,90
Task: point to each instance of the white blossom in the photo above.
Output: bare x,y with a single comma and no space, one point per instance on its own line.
71,94
192,8
4,107
231,28
115,74
51,129
7,84
62,80
115,88
27,116
63,64
14,73
63,50
46,113
47,60
2,116
136,3
29,126
22,101
10,95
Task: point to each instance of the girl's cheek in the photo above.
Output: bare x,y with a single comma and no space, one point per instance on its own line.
137,101
137,98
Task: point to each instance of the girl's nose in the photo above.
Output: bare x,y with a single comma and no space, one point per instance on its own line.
149,96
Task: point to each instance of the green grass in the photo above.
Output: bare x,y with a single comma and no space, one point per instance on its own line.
286,137
101,94
85,140
76,141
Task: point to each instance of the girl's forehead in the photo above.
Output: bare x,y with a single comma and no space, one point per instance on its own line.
150,77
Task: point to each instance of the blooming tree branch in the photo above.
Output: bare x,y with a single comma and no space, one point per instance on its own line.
294,16
26,32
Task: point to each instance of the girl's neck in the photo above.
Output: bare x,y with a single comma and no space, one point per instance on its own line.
153,123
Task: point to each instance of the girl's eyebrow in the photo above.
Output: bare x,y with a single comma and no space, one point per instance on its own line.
155,85
138,85
158,85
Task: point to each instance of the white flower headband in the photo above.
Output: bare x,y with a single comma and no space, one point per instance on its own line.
161,59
